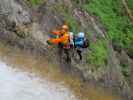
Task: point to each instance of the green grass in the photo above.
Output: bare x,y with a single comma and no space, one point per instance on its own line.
130,3
98,55
124,69
36,2
112,15
119,29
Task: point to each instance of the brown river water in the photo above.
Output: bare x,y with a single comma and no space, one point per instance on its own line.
27,77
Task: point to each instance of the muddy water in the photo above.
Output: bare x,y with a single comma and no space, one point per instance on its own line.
27,77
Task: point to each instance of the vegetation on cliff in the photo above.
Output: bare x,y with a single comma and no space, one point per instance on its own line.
116,21
119,27
113,16
36,2
130,4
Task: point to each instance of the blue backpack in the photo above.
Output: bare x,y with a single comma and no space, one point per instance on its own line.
79,42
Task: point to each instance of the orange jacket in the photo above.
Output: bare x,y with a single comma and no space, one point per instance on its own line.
63,39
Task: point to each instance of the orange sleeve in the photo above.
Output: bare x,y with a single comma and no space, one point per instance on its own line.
58,40
55,41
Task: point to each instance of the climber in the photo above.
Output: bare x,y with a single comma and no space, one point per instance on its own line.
65,41
62,40
80,42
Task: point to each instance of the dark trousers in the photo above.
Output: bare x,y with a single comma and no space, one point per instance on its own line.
79,53
65,51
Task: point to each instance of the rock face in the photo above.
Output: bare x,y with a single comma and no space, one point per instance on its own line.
15,28
28,29
16,13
